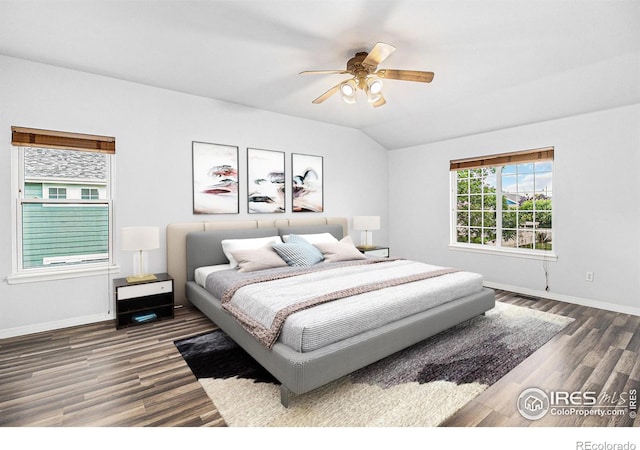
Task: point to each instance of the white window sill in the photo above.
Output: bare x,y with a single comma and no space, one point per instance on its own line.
60,274
516,253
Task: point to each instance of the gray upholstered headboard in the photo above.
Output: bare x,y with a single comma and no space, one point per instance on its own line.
208,251
336,230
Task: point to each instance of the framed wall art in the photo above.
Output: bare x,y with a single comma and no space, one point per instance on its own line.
306,183
265,181
215,179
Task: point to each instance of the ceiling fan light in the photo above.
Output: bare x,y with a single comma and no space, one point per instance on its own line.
379,102
348,88
350,100
374,98
375,85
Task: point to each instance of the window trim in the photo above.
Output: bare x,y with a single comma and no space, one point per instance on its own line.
513,158
541,255
62,273
36,274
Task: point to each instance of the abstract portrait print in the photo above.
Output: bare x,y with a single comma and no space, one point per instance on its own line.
307,183
265,181
215,179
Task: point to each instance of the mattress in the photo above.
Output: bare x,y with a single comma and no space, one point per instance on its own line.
201,273
324,324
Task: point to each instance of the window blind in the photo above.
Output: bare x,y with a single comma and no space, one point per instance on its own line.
32,137
503,159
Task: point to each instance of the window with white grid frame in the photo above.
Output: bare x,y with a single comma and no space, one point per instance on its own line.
90,193
57,193
64,207
504,202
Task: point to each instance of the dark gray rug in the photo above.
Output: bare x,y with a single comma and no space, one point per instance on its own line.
429,381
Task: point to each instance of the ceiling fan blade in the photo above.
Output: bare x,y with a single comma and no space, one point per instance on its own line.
327,94
405,75
321,72
378,53
381,101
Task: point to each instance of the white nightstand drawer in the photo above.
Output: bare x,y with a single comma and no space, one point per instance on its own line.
381,252
142,290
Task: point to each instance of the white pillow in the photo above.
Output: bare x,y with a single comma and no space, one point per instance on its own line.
233,245
258,259
348,240
314,238
344,250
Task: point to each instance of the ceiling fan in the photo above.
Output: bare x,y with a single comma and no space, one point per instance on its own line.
363,66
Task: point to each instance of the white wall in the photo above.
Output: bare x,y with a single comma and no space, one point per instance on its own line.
154,129
596,209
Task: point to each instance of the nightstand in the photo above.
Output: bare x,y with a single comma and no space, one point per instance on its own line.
143,302
382,252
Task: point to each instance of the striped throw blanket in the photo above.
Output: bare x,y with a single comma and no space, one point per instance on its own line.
261,303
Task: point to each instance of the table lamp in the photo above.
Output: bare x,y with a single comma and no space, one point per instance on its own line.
366,224
140,239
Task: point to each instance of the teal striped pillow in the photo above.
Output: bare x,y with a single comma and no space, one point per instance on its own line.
298,252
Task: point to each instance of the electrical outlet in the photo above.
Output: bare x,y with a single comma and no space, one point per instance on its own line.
589,276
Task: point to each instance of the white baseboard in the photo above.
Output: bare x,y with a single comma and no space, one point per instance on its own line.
49,326
565,298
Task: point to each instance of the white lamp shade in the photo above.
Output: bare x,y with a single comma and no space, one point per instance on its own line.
366,223
140,238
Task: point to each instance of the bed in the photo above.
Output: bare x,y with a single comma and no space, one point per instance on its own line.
302,367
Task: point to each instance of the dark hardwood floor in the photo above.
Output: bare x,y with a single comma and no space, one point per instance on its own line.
598,352
95,375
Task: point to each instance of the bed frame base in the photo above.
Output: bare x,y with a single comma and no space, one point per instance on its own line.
298,372
285,394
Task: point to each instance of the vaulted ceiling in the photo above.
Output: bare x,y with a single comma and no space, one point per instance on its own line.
497,63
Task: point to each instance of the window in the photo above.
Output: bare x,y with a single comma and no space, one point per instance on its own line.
90,194
57,193
503,202
63,211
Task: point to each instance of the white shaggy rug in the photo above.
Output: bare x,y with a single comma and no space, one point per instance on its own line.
420,386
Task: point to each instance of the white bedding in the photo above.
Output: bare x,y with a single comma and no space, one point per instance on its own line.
331,322
201,273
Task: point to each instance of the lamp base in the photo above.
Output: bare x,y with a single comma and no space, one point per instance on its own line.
366,247
139,278
366,240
